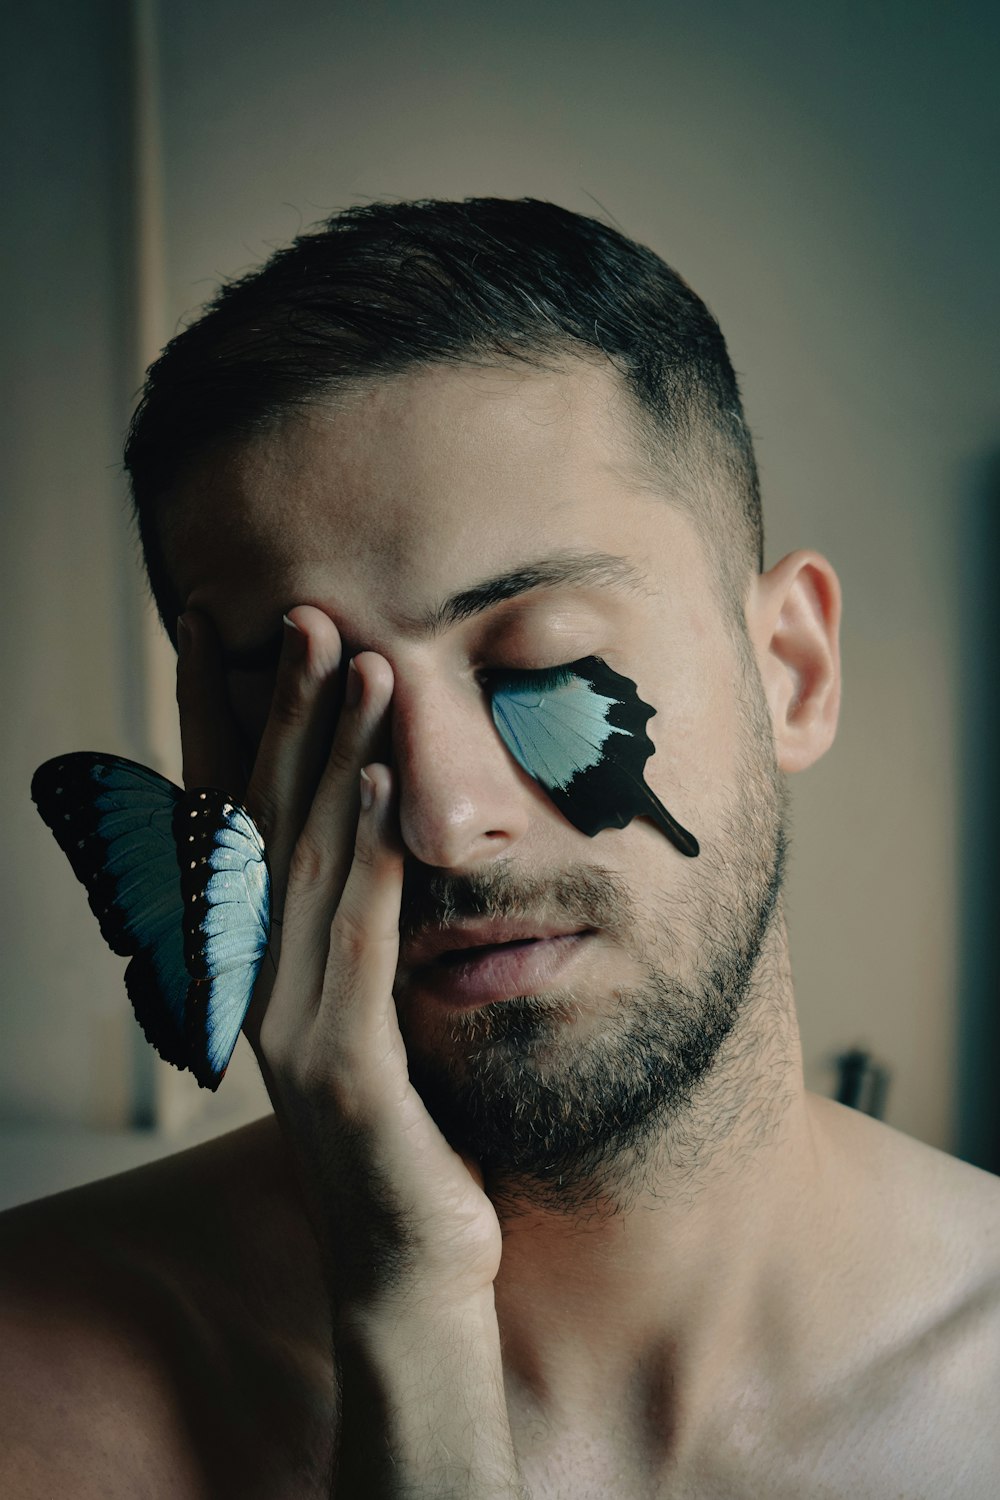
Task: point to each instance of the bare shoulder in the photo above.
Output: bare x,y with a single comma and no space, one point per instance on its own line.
948,1212
139,1319
925,1321
932,1193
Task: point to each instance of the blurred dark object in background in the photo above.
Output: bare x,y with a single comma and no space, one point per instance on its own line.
862,1082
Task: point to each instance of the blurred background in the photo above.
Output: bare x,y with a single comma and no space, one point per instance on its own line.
824,176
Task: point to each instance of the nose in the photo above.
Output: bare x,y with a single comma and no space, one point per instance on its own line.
463,801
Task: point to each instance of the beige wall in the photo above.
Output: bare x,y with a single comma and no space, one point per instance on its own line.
818,173
66,644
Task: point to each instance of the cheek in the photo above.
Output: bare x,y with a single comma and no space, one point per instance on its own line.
696,729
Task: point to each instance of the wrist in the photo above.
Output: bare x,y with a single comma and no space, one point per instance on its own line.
416,1320
422,1403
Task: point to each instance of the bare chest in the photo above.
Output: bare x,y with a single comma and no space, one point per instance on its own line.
901,1460
909,1435
915,1423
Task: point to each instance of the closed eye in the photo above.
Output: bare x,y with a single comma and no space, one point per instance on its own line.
541,676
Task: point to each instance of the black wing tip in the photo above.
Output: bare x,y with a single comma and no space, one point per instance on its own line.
165,1040
206,1076
73,761
683,841
161,1032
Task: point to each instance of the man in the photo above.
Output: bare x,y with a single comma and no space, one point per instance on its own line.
542,1171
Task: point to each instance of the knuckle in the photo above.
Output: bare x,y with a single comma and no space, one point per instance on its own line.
326,1081
341,760
349,934
310,862
290,705
325,1078
364,854
272,1045
263,807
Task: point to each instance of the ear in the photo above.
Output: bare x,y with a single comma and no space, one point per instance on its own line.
793,619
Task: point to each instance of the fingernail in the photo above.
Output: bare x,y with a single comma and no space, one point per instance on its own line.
367,791
352,693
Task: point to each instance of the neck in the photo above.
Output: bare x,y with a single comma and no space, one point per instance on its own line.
712,1227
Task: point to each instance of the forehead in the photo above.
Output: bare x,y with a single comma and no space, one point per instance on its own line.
400,491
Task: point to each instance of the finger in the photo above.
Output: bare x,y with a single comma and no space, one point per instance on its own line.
357,951
323,852
356,1044
356,1013
211,744
296,740
307,883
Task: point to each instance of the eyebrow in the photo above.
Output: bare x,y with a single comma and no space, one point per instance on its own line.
562,569
599,569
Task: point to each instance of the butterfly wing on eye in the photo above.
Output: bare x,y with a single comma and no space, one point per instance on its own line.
226,893
579,730
113,819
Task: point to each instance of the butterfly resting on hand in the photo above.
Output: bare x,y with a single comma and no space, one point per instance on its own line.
179,880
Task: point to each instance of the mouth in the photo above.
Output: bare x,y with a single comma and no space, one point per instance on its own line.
479,975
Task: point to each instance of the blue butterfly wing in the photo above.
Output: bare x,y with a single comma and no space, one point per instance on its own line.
113,819
579,730
226,891
195,943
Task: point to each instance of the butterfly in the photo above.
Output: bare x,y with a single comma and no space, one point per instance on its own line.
179,881
580,731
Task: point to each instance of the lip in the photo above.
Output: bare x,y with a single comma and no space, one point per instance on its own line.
487,932
469,977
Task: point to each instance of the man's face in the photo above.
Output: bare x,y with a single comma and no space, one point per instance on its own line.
377,509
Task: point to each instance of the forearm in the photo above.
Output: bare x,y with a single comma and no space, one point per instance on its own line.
422,1409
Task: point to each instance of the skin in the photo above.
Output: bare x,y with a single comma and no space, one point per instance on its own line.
777,1296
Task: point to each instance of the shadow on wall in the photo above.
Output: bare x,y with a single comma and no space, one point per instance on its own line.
978,1081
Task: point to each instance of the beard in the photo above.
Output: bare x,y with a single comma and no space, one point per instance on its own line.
561,1107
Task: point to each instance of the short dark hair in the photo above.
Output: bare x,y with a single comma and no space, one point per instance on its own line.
385,287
